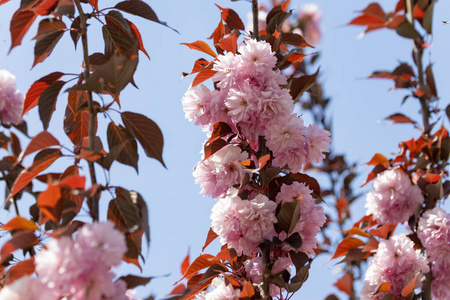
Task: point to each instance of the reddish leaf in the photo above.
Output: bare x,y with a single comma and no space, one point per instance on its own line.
432,178
346,245
20,23
199,65
301,84
20,269
231,18
297,58
211,148
200,46
400,118
357,231
372,175
73,182
211,237
141,9
19,223
202,76
377,159
371,245
345,284
247,290
200,263
3,1
409,288
383,231
285,5
117,39
44,8
94,3
383,288
123,214
185,264
217,35
19,240
15,144
137,36
178,290
47,26
135,281
229,43
146,132
47,102
122,146
294,39
220,129
39,142
374,10
45,45
263,161
309,181
42,160
33,94
49,202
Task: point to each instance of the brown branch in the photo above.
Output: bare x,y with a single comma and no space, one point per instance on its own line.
255,19
92,111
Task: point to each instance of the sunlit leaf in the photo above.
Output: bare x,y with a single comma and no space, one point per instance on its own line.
345,284
345,245
20,269
210,237
21,21
123,214
19,240
19,223
185,264
400,118
202,76
42,140
33,94
231,18
200,46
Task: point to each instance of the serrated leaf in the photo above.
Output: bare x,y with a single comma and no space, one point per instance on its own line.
47,26
123,214
19,240
21,21
141,9
119,138
45,45
47,101
200,46
33,94
146,132
116,39
43,140
41,161
231,18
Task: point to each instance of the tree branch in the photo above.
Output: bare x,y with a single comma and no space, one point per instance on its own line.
92,111
255,20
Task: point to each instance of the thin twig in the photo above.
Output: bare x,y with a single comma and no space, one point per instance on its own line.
255,20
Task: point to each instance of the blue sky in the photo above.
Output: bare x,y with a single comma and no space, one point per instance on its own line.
179,215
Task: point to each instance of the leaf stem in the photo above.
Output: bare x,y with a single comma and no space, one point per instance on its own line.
266,271
92,111
255,20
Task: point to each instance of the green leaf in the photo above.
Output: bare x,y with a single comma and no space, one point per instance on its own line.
146,132
141,9
122,146
289,216
47,101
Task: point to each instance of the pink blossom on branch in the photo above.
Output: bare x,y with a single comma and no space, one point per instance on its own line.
395,262
221,291
244,224
27,288
312,216
393,198
11,100
310,16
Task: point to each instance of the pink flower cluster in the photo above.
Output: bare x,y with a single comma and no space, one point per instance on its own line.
395,262
78,269
11,100
393,198
244,224
312,216
221,291
434,233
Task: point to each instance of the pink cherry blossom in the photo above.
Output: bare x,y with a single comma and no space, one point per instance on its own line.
317,142
310,16
434,233
196,104
243,224
393,198
440,285
312,216
27,288
11,100
220,171
395,262
221,291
